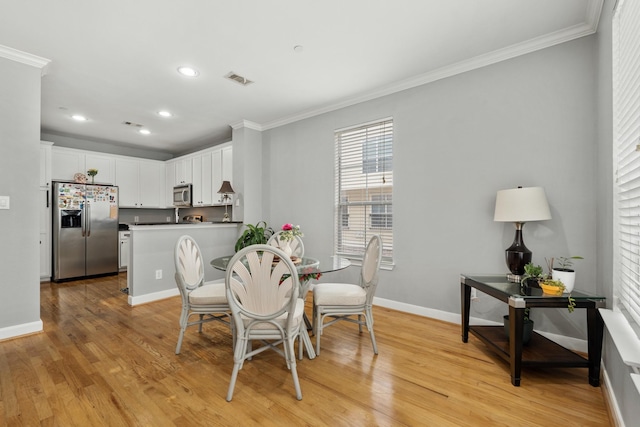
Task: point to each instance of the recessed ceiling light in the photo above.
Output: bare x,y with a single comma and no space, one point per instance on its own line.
79,118
144,131
188,71
165,113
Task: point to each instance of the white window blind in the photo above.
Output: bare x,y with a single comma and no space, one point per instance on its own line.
626,80
364,188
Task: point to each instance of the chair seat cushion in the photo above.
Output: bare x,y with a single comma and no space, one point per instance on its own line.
208,294
338,294
282,319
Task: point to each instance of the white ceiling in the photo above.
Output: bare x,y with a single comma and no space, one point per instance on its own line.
116,61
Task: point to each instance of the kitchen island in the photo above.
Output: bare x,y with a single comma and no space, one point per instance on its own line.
151,269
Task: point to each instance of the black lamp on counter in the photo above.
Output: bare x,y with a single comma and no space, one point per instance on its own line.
520,205
225,190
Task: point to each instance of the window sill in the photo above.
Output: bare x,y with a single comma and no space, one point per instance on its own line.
383,265
623,336
625,339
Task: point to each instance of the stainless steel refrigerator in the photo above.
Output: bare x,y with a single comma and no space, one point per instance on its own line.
85,230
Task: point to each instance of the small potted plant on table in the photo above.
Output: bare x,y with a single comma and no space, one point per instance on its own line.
564,271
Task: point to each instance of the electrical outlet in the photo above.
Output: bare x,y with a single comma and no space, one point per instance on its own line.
158,274
5,202
168,219
474,294
136,219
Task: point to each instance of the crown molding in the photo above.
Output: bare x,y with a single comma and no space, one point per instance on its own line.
247,124
25,58
586,28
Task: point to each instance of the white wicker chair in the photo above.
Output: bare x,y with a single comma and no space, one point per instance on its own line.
207,300
297,247
263,296
341,301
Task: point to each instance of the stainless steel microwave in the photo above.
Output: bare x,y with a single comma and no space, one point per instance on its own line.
182,196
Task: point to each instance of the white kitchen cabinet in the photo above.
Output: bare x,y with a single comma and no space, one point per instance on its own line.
44,205
222,161
44,208
202,184
141,183
65,163
183,172
106,166
123,254
45,163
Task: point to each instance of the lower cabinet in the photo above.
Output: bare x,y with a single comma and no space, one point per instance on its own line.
45,234
123,254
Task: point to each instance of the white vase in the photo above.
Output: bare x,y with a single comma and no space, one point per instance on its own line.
568,278
286,247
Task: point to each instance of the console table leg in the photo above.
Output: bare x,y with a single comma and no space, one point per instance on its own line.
516,324
595,331
465,293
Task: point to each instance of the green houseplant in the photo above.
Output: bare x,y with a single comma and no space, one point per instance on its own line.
257,234
563,271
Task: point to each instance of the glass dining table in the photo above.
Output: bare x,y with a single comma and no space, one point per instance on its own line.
307,268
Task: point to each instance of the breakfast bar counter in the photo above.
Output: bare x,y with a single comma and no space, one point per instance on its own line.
151,269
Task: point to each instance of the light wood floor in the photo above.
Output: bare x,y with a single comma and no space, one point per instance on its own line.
100,362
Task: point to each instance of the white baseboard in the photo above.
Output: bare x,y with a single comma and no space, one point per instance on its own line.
574,344
19,330
612,402
155,296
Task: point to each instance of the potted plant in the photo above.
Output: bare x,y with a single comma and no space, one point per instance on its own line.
564,271
254,235
533,274
527,329
556,287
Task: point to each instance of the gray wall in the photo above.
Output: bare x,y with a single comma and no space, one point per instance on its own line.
19,179
528,121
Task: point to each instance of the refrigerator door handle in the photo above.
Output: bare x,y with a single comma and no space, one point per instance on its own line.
88,218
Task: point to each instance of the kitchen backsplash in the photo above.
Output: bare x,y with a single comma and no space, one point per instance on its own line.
131,216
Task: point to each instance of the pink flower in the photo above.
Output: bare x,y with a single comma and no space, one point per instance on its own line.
287,227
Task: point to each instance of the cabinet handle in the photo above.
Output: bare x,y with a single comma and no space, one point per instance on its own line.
47,198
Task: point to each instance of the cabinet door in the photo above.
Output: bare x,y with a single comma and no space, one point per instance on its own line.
123,255
45,164
183,171
105,166
65,164
44,206
201,174
227,164
127,182
216,176
151,182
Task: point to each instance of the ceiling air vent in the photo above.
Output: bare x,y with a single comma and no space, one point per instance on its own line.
238,79
135,125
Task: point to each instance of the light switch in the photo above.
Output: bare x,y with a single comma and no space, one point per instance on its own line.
4,202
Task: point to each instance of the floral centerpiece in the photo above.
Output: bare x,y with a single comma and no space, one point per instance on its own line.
92,173
289,231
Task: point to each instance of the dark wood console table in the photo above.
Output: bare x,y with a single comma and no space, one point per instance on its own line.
540,351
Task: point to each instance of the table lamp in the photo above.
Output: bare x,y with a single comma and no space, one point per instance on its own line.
225,190
520,205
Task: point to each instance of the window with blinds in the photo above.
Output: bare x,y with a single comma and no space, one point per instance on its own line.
626,93
364,188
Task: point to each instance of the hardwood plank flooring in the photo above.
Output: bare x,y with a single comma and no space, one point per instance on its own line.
100,362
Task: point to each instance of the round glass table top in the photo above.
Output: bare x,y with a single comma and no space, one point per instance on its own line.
325,264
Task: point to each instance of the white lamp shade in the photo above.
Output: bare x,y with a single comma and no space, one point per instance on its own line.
522,205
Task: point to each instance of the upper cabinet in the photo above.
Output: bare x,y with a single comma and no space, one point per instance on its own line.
205,170
45,163
202,184
66,162
140,182
106,166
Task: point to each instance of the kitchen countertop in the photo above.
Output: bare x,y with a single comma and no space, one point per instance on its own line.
170,225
